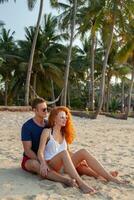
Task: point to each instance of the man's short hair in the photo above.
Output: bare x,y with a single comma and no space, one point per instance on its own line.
37,101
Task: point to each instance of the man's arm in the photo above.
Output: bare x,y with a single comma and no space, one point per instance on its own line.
28,151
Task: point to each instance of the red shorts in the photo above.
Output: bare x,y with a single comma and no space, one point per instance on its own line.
24,160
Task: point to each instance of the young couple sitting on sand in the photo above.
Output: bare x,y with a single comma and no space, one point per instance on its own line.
46,149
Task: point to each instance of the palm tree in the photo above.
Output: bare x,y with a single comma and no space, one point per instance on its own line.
116,14
1,24
69,17
31,4
130,88
48,62
107,50
126,55
29,71
90,22
72,27
7,51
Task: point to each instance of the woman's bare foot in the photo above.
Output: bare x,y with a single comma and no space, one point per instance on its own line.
115,180
71,183
114,173
86,189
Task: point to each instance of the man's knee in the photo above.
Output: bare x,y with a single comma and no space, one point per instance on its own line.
32,165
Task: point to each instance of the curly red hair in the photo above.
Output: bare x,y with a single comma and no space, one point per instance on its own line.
68,130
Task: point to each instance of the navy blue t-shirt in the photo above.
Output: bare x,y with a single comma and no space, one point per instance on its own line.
31,132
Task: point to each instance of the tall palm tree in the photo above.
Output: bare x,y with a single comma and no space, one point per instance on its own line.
48,59
116,14
7,49
90,22
107,50
68,21
126,54
31,4
29,70
69,53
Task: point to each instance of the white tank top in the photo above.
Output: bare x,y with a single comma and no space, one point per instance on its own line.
53,147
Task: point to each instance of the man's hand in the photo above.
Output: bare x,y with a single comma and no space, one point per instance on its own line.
44,169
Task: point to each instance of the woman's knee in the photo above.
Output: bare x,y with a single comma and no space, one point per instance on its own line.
83,151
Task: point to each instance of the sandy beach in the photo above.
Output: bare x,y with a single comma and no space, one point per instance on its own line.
110,140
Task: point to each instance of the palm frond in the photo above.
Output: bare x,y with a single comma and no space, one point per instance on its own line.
31,4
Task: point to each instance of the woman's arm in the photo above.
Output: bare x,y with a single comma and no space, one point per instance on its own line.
69,151
43,140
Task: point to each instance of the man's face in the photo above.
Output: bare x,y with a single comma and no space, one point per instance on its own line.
41,110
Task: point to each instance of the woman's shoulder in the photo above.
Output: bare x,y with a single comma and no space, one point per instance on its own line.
46,131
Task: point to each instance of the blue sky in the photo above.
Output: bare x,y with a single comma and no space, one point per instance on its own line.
16,16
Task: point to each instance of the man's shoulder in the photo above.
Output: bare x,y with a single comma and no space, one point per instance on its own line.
28,122
46,123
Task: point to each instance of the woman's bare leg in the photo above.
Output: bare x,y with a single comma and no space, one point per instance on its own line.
64,159
93,164
84,169
34,166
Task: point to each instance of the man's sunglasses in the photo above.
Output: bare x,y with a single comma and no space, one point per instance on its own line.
44,110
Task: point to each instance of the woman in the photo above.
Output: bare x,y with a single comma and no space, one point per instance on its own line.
53,152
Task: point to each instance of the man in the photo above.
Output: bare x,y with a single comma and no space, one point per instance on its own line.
30,136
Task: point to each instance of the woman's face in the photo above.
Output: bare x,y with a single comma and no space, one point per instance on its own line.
61,119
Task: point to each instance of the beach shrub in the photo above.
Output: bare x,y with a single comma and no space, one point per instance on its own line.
114,105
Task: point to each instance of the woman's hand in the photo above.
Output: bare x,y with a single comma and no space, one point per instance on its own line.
44,169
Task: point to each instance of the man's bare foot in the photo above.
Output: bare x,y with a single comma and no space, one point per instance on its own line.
87,190
71,183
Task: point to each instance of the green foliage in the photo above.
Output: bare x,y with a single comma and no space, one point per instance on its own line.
77,103
31,4
114,105
93,18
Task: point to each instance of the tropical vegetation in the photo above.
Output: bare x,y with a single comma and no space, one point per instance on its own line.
85,53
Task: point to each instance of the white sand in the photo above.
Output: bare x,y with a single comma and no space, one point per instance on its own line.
110,140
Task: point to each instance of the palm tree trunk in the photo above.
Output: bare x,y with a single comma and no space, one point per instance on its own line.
130,94
108,94
69,54
104,100
61,98
34,84
92,71
68,94
102,84
122,96
29,71
52,90
6,91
